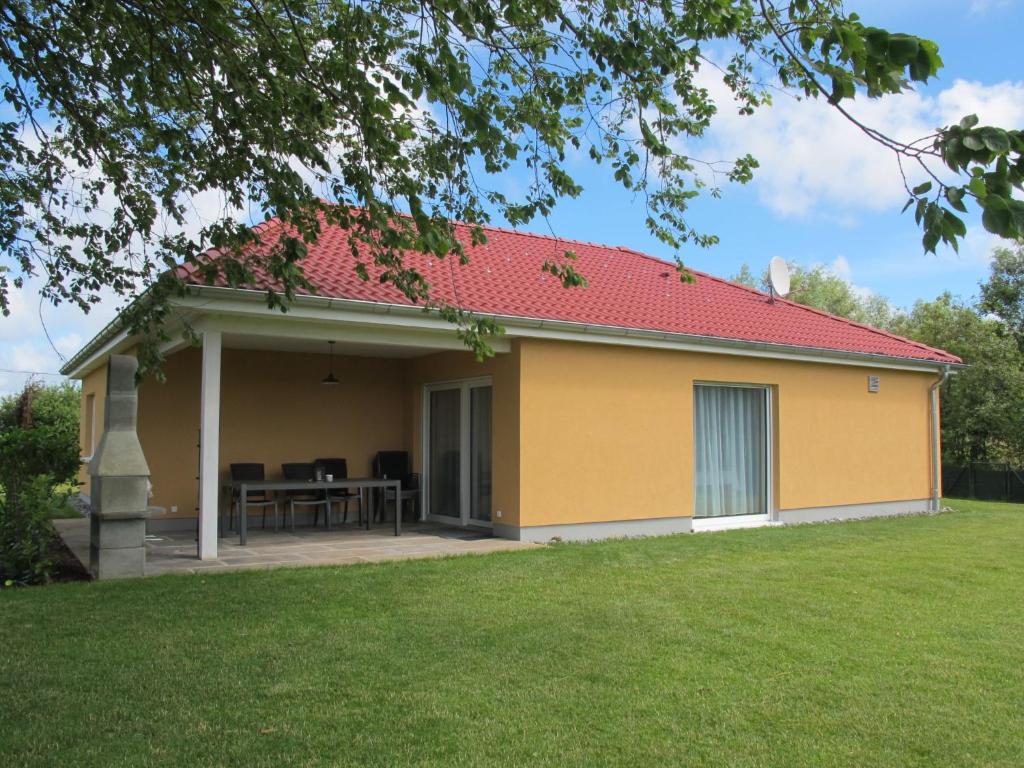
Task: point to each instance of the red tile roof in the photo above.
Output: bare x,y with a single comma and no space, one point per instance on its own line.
626,289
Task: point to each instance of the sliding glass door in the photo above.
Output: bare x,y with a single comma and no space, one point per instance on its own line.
444,460
457,446
731,450
480,454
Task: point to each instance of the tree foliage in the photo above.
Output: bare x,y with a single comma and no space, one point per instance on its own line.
1003,293
120,114
983,404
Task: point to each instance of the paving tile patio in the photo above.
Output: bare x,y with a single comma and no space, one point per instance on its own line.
175,552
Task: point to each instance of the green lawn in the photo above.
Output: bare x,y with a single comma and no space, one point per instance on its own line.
879,643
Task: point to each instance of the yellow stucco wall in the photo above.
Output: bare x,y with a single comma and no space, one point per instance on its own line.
94,386
582,432
607,432
168,432
504,372
273,410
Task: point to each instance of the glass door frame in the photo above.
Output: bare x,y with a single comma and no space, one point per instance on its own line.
759,518
464,386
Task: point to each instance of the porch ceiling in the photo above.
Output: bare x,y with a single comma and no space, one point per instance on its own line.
342,346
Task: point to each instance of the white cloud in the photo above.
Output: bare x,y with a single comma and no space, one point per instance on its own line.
841,268
815,161
23,342
1001,104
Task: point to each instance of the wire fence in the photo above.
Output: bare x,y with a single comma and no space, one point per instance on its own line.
984,481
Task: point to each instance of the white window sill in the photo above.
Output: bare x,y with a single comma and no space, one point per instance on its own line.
705,524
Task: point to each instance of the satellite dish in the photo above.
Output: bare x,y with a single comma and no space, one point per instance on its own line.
778,277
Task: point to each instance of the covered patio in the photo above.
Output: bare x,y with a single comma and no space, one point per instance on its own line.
175,551
320,383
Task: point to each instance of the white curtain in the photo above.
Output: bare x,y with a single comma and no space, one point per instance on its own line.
730,428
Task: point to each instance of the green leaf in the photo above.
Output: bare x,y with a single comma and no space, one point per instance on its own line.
955,197
921,189
978,188
1016,218
973,142
902,49
995,139
996,216
969,122
954,223
921,68
877,41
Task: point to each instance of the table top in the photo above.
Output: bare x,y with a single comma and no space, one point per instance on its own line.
288,485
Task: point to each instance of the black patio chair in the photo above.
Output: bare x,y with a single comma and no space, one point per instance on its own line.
397,465
250,473
338,469
311,498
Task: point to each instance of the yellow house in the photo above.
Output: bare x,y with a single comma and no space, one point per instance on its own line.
637,405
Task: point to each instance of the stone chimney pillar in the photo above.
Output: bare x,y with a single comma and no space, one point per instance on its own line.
120,482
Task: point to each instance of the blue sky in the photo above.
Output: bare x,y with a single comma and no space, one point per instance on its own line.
824,194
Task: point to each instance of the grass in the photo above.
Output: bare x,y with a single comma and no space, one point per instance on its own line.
883,642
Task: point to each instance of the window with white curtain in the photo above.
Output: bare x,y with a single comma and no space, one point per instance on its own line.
731,451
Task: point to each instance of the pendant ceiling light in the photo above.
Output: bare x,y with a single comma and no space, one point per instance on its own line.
330,378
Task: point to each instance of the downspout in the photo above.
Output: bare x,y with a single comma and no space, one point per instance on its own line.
937,441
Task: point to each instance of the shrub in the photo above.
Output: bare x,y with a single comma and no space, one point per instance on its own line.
38,450
39,436
26,533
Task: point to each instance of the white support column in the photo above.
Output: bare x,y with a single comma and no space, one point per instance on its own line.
209,446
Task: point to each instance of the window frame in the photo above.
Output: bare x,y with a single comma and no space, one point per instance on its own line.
739,521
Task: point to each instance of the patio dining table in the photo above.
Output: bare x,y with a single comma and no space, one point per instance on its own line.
365,486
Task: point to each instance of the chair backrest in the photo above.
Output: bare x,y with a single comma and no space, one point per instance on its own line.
394,464
298,471
336,467
240,472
